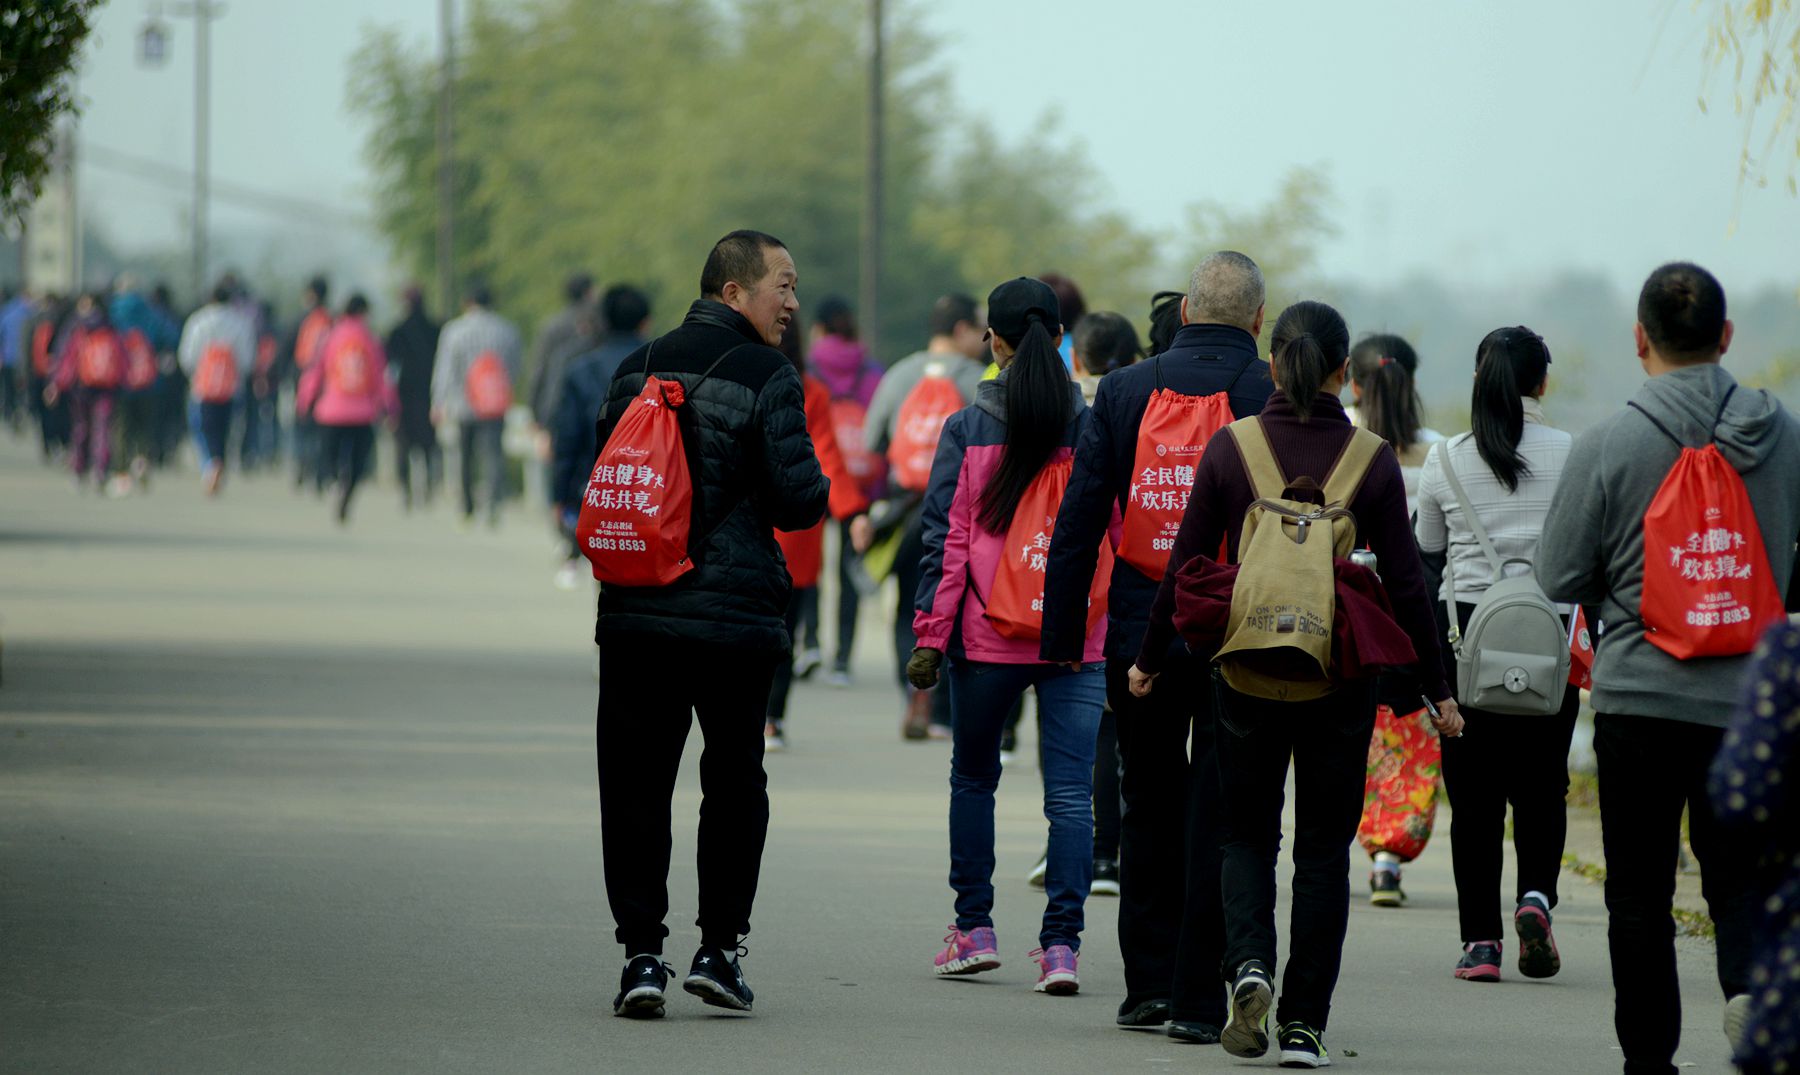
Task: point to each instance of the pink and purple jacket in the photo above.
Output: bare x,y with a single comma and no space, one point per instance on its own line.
327,401
961,557
845,367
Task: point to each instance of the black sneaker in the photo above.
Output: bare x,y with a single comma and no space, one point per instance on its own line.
1194,1032
717,979
1246,1030
1480,962
1106,878
1385,890
641,988
1135,1011
1302,1047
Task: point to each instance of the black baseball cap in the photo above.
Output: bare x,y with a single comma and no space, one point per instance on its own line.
1015,304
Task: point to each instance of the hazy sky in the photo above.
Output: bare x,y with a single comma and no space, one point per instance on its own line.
1483,143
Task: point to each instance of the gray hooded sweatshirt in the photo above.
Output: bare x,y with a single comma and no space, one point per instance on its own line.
1592,550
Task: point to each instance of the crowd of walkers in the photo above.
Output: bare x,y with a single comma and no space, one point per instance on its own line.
1208,567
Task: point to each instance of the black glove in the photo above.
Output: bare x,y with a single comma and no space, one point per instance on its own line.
922,670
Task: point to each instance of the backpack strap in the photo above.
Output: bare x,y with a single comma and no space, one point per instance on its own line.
1468,510
1712,433
1346,476
1267,482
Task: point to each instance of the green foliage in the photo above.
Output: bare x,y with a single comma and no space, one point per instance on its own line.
625,136
39,42
1758,41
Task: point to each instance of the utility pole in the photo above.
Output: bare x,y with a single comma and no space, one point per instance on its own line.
869,314
446,177
152,51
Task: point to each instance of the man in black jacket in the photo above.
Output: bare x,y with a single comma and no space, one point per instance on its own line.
706,644
625,316
1169,829
411,353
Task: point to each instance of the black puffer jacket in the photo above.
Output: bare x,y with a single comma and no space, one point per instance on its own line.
753,469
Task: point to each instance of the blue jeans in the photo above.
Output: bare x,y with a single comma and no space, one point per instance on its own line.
1069,703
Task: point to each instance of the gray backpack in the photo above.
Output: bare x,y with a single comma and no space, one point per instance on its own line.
1514,656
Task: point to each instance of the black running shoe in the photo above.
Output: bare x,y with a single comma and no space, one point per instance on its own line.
1193,1032
717,979
641,988
1246,1030
1302,1047
1136,1011
1106,878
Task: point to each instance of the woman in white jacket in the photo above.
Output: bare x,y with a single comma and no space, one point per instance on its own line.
1509,466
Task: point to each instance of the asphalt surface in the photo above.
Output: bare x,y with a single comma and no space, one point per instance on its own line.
279,796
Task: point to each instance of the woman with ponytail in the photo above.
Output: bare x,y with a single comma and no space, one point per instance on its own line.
1508,468
988,516
1382,372
1326,737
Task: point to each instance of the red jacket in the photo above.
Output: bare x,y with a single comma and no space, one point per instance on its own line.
805,549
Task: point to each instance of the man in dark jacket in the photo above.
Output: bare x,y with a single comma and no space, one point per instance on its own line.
562,336
705,645
411,353
625,315
1168,846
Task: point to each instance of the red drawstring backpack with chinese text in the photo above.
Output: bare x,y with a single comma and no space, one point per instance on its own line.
488,387
216,374
1015,604
638,509
99,359
1707,588
1173,434
919,425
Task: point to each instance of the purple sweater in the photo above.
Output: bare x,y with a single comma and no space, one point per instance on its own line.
1222,494
845,367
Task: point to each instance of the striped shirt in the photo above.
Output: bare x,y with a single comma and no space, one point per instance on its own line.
1513,519
475,332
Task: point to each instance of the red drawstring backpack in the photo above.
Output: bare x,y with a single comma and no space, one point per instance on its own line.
638,508
311,338
1015,604
1171,438
140,361
215,377
42,337
849,420
1707,588
488,387
348,371
919,424
99,359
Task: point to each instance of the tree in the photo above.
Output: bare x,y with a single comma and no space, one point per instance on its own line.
1759,41
39,42
1283,234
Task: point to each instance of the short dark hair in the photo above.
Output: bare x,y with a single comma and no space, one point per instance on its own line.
1068,296
1165,319
577,286
738,258
951,311
356,305
1682,309
623,308
479,293
1106,341
836,317
318,287
221,292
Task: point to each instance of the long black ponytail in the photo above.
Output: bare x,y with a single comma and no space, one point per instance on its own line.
1310,342
1039,404
1510,363
1383,366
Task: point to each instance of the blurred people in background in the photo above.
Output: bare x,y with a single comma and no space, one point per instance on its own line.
302,351
1104,341
148,336
571,331
90,371
262,422
905,418
1165,320
625,318
171,390
849,375
478,362
217,351
411,354
804,550
15,311
1382,372
42,331
345,393
1074,308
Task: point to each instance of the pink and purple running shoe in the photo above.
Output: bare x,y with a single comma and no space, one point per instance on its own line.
968,953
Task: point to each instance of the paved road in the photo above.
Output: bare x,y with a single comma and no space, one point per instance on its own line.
276,796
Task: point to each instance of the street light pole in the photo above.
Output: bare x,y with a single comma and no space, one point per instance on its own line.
870,290
203,12
446,177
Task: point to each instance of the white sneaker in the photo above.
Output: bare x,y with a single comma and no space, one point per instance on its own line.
806,662
1036,877
568,576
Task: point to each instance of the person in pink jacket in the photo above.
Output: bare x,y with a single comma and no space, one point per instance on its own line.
996,485
345,393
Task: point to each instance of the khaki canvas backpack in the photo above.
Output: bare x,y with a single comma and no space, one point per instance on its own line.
1278,642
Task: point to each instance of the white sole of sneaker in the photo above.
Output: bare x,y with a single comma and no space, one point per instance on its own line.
645,1002
713,993
1104,888
1296,1058
1246,1032
974,964
1059,985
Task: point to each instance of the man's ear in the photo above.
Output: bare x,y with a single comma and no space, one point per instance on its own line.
1725,338
1184,319
1642,339
1256,328
732,293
